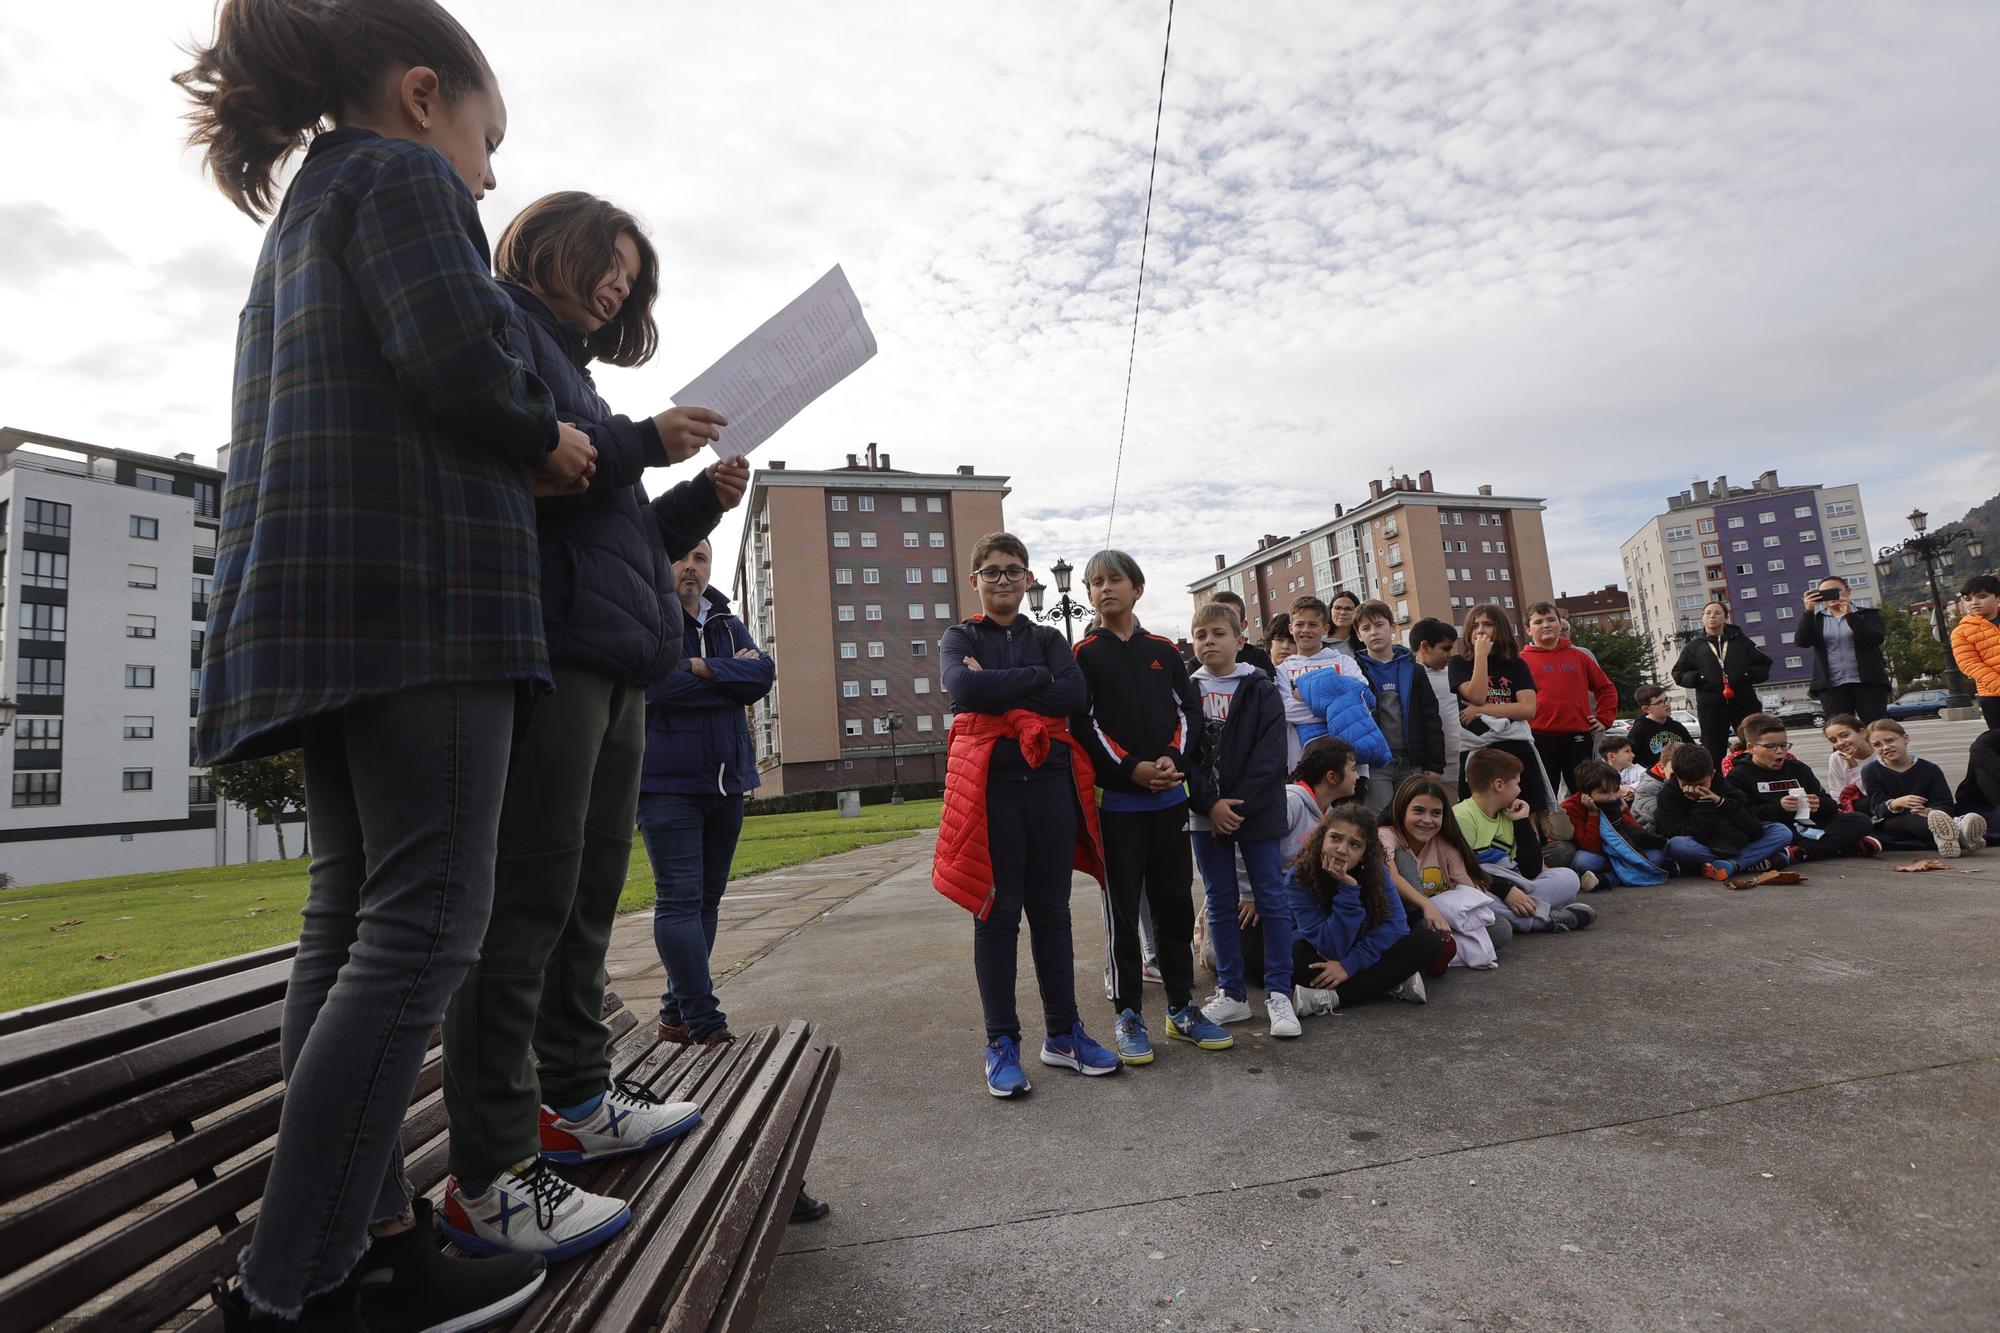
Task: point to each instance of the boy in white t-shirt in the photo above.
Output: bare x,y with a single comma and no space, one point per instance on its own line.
1309,622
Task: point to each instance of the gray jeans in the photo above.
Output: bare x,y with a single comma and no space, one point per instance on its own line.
403,807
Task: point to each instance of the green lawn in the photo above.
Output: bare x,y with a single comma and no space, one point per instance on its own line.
59,939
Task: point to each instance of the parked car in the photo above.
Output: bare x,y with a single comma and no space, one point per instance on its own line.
1807,712
1619,727
1686,717
1917,703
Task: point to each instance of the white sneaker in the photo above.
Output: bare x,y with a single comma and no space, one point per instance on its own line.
1412,990
530,1208
627,1119
1944,832
1284,1023
1307,1001
1587,882
1972,833
1220,1008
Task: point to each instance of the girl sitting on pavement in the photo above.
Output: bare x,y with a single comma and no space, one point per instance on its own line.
1352,939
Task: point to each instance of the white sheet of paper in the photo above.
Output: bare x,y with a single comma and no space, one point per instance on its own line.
795,356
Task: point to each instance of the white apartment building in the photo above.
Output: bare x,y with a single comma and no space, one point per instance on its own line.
105,561
1758,548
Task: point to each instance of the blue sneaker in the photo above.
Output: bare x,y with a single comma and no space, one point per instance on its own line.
1004,1075
1130,1037
1191,1024
1077,1051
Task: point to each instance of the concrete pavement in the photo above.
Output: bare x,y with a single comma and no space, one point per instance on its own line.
1777,1109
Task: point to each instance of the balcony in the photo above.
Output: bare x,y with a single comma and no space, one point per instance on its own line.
200,793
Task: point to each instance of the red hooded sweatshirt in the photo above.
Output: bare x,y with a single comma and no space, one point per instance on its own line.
1565,679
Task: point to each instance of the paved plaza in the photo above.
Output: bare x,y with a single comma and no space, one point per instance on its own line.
1765,1110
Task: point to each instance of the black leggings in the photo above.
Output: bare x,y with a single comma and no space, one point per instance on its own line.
1719,716
1402,960
1867,702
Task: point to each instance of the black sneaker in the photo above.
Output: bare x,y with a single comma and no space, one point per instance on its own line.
808,1209
331,1312
1577,916
406,1285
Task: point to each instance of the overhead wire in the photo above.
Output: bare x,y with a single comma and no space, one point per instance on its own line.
1145,235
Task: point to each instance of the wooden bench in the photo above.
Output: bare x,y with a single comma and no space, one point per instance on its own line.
136,1127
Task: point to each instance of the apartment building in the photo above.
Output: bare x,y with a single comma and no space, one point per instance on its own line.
1424,551
849,576
105,560
1607,608
1758,548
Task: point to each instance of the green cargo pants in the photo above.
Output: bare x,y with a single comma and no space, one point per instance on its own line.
526,1027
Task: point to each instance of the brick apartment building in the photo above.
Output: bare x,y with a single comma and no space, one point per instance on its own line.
1423,551
849,577
1606,608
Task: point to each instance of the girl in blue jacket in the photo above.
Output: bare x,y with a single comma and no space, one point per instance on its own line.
1351,939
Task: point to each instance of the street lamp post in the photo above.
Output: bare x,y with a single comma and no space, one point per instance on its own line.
1936,551
894,722
1066,608
8,708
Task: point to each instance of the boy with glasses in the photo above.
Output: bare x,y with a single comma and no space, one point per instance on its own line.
1782,790
1018,813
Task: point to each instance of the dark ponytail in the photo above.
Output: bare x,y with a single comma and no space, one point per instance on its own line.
278,69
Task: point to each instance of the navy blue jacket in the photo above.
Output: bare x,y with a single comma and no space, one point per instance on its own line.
1244,758
1022,665
697,734
608,602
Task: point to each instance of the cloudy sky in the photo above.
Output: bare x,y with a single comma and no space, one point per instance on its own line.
1581,251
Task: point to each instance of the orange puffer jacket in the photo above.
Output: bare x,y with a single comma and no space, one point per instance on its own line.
962,869
1975,645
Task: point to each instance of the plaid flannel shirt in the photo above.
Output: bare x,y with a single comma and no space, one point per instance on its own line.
378,528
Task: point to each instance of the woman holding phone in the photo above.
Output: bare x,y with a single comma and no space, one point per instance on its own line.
1849,675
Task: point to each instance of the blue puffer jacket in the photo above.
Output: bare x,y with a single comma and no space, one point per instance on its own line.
608,601
697,735
1347,706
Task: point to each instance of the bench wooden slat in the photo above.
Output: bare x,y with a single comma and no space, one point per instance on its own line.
758,1184
35,1052
736,1311
41,1015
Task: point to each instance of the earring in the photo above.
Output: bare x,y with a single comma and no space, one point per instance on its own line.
423,124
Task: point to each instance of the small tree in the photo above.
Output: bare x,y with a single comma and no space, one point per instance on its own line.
1910,643
269,788
1625,657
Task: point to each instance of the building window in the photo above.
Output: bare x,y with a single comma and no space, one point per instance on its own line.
1458,520
913,576
1506,574
1447,546
44,569
1464,575
881,726
916,610
1803,511
876,648
874,612
867,504
1747,594
1739,546
878,688
1683,557
1679,534
45,517
843,576
1770,542
844,613
839,503
142,576
1486,548
1813,562
1705,525
924,722
1847,532
922,685
1736,522
1499,548
1757,639
1808,535
39,675
1859,581
204,499
934,504
1840,508
138,678
909,504
1507,602
138,779
36,733
1784,612
868,541
871,575
937,541
1752,617
1461,548
842,541
1774,565
851,727
942,610
1768,516
1794,663
939,574
153,481
918,648
38,789
40,621
913,540
146,529
1489,573
850,689
849,651
1709,550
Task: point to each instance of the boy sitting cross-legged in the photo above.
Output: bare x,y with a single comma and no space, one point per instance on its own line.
1610,842
1240,808
1715,831
1781,790
1498,827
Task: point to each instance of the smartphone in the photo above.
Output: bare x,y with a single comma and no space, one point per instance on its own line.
1823,594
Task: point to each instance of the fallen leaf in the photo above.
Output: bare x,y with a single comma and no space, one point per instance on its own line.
1572,1249
1397,1263
1767,1175
1157,1254
64,925
1917,867
102,957
1267,1244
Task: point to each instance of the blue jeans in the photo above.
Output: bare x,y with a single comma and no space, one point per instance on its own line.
1274,911
1693,856
690,841
1581,861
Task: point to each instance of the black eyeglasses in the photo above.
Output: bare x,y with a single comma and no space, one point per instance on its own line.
1002,573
